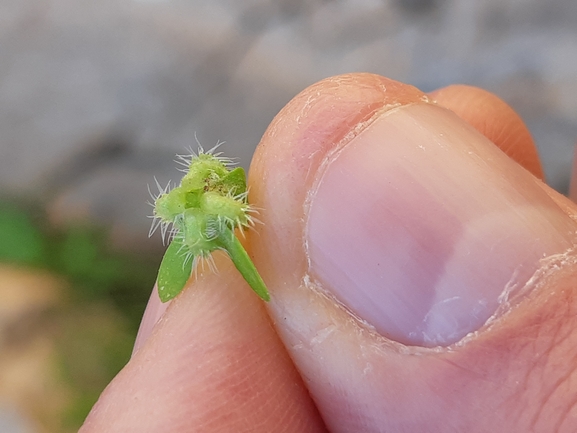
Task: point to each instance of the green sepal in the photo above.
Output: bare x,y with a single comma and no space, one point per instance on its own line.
235,181
243,263
174,271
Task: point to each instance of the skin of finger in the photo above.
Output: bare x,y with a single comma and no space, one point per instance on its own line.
566,204
155,309
493,118
513,377
213,363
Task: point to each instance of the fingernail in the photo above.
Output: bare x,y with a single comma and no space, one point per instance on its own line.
420,226
152,314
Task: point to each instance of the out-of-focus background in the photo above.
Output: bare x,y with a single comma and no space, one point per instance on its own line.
97,96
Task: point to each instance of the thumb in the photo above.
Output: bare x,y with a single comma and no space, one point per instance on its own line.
421,280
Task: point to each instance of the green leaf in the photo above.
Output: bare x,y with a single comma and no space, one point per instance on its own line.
243,263
174,271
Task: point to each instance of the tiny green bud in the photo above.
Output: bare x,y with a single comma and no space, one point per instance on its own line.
225,207
169,205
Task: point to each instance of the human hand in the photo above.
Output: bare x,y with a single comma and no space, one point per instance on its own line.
458,266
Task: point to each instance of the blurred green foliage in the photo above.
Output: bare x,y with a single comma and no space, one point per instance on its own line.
80,254
106,297
20,239
93,345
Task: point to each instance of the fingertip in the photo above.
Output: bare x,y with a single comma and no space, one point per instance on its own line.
346,226
155,308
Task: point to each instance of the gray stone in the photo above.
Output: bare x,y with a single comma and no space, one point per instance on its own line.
96,97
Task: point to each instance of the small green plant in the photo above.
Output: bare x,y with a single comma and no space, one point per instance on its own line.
201,215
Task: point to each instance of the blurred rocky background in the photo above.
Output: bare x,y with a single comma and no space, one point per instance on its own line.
97,96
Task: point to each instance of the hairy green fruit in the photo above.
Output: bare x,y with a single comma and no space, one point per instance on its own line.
202,214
